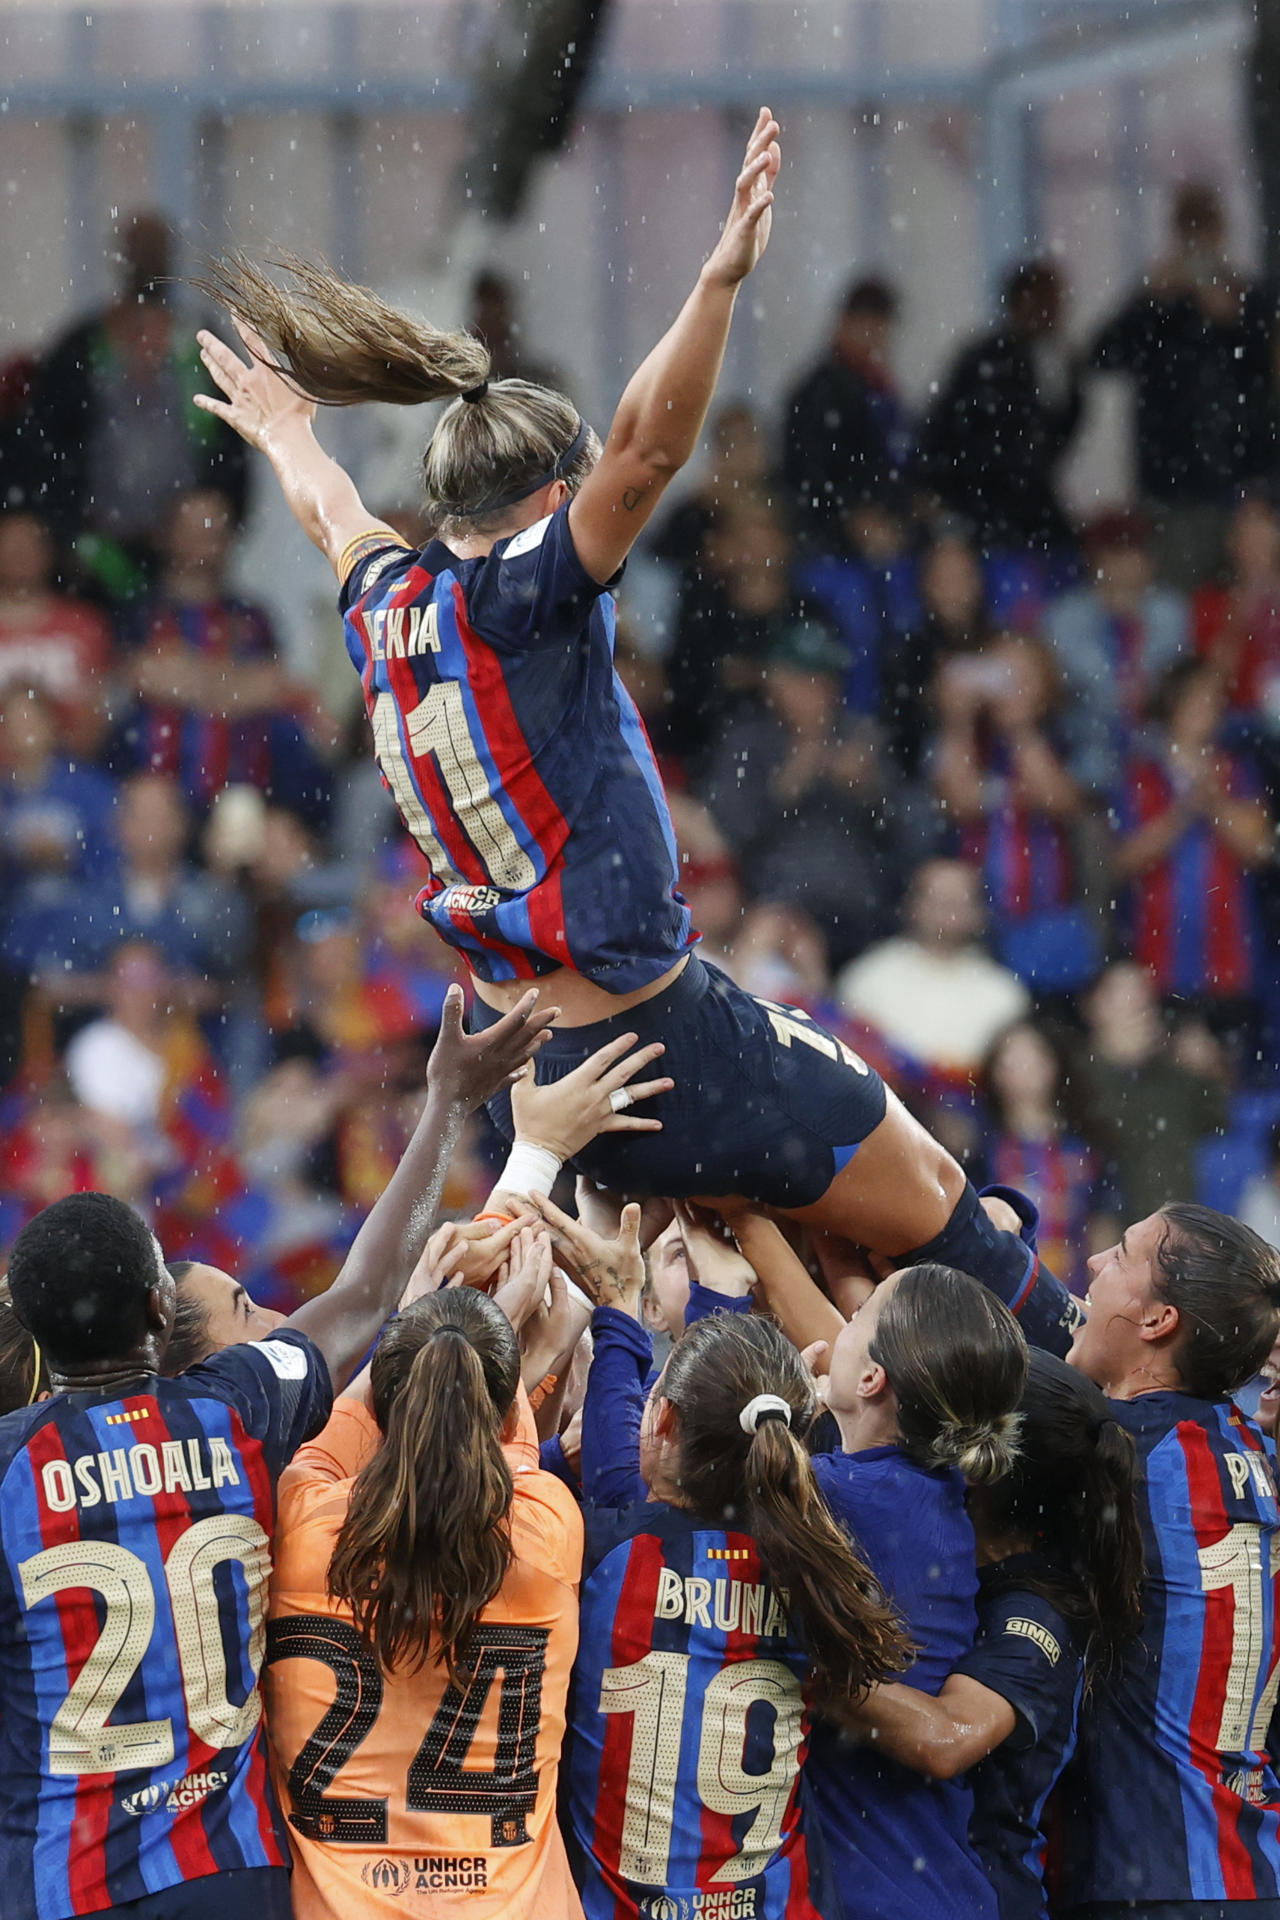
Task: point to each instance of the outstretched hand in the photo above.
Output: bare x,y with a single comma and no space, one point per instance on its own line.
257,398
469,1069
610,1271
566,1114
746,231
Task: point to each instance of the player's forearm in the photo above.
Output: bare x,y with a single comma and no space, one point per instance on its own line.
660,414
321,496
799,1304
939,1736
345,1320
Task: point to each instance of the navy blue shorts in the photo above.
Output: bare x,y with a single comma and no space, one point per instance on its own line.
766,1103
257,1893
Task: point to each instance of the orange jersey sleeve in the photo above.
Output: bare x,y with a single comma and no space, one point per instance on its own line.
407,1796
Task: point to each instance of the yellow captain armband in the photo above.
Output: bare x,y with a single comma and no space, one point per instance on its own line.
364,544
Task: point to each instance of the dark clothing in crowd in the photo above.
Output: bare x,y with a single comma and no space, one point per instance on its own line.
1206,415
995,435
848,440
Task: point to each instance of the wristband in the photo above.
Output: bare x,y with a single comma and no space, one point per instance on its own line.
529,1169
503,1219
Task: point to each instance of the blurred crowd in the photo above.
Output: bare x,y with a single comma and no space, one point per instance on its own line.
992,791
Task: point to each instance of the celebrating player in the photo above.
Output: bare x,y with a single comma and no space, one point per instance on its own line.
520,766
1182,1311
423,1623
706,1611
136,1516
923,1384
1060,1556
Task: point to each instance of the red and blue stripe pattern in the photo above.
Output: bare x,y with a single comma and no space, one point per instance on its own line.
682,1679
1185,1727
516,758
154,1626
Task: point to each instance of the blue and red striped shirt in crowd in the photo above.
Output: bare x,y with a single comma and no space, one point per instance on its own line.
135,1536
203,751
1173,1795
1060,1176
516,757
1191,915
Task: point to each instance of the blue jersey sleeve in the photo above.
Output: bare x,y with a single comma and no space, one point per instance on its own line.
1027,1653
703,1302
613,1410
532,591
279,1387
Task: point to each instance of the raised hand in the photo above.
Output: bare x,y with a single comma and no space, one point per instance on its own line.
566,1114
610,1271
257,398
714,1261
470,1068
746,231
523,1293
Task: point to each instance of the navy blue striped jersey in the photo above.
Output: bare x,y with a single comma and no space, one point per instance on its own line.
516,757
136,1532
1182,1730
899,1840
688,1728
1029,1653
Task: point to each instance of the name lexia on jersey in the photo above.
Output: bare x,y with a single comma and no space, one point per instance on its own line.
731,1604
187,1466
401,633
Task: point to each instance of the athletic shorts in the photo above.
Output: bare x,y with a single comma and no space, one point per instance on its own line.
766,1103
253,1893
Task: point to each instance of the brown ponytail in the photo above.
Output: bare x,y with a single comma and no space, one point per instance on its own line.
343,345
23,1373
957,1362
426,1545
763,1483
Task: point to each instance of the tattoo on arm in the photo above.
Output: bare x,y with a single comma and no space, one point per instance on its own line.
632,497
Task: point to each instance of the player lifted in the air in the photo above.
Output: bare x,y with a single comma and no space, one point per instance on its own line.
520,765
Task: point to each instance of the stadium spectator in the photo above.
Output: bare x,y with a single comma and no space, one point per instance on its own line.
1032,1145
847,436
1154,1100
1192,832
933,990
869,590
1005,419
809,803
735,474
215,706
953,619
1198,341
1259,1206
1183,1311
120,437
1000,775
55,815
49,640
495,319
1114,638
1237,625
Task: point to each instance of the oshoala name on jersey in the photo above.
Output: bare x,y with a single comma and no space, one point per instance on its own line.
730,1605
126,1473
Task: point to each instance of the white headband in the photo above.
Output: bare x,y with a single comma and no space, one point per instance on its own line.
765,1406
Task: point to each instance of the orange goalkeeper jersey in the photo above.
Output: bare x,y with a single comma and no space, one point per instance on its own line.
406,1796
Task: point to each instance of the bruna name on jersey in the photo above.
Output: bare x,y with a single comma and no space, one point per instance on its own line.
732,1605
130,1473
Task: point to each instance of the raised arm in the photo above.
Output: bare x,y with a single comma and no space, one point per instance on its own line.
267,411
462,1073
661,412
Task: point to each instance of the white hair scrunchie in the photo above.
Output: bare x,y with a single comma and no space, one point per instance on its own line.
764,1407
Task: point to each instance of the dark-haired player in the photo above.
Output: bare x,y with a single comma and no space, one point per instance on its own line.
520,766
136,1516
1173,1811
